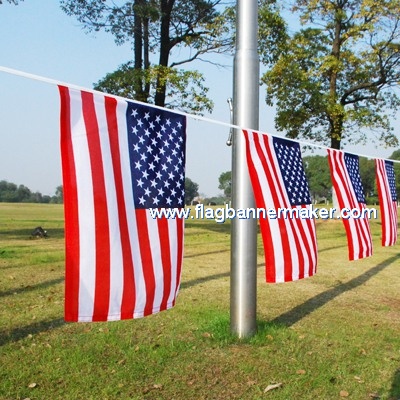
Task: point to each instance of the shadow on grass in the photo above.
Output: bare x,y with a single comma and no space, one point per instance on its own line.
206,253
29,288
297,313
26,233
17,334
198,281
395,389
332,248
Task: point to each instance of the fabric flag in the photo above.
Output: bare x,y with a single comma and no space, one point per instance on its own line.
278,180
345,174
385,180
120,159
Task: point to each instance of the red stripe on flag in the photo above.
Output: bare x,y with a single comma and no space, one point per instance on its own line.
147,260
290,244
294,225
357,230
72,251
120,264
384,195
277,197
102,238
180,226
129,290
163,234
270,273
388,207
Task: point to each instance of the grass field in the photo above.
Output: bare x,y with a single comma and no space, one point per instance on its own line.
332,336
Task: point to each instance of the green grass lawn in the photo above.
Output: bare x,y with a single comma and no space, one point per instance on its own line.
332,336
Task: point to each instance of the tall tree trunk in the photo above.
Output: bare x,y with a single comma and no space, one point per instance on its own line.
166,9
138,51
336,132
336,117
146,55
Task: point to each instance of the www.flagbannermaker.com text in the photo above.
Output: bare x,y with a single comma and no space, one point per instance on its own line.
222,214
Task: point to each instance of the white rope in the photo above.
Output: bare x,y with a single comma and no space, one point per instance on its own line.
192,116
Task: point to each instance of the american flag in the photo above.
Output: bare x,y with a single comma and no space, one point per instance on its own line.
349,190
386,184
119,159
278,180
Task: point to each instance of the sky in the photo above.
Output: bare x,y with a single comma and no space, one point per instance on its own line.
37,37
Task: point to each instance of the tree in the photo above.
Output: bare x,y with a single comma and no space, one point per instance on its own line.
157,28
11,193
185,89
318,176
24,195
58,197
191,190
368,178
8,192
225,183
11,1
334,81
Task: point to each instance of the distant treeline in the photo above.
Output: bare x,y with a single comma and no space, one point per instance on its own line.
319,179
12,193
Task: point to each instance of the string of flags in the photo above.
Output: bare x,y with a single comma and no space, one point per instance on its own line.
121,158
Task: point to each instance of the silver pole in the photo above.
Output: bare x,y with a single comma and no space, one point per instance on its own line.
245,114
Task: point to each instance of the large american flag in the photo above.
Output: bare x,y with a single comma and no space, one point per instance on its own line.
349,190
119,159
278,180
386,184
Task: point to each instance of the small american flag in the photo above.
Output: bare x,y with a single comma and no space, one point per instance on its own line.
386,184
349,190
119,159
278,180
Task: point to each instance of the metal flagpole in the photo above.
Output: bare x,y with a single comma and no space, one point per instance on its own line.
243,302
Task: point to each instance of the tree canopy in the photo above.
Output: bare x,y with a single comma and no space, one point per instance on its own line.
333,81
191,190
164,35
318,176
225,183
12,193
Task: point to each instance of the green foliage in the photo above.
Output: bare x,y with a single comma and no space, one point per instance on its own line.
185,89
272,31
215,200
368,178
225,183
318,177
191,190
163,29
11,193
333,80
58,197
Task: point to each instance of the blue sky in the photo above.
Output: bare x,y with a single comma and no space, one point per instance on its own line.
38,38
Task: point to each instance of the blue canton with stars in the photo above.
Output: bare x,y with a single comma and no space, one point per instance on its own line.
352,165
294,178
391,179
157,142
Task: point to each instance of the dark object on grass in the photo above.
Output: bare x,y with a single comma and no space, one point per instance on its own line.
39,233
